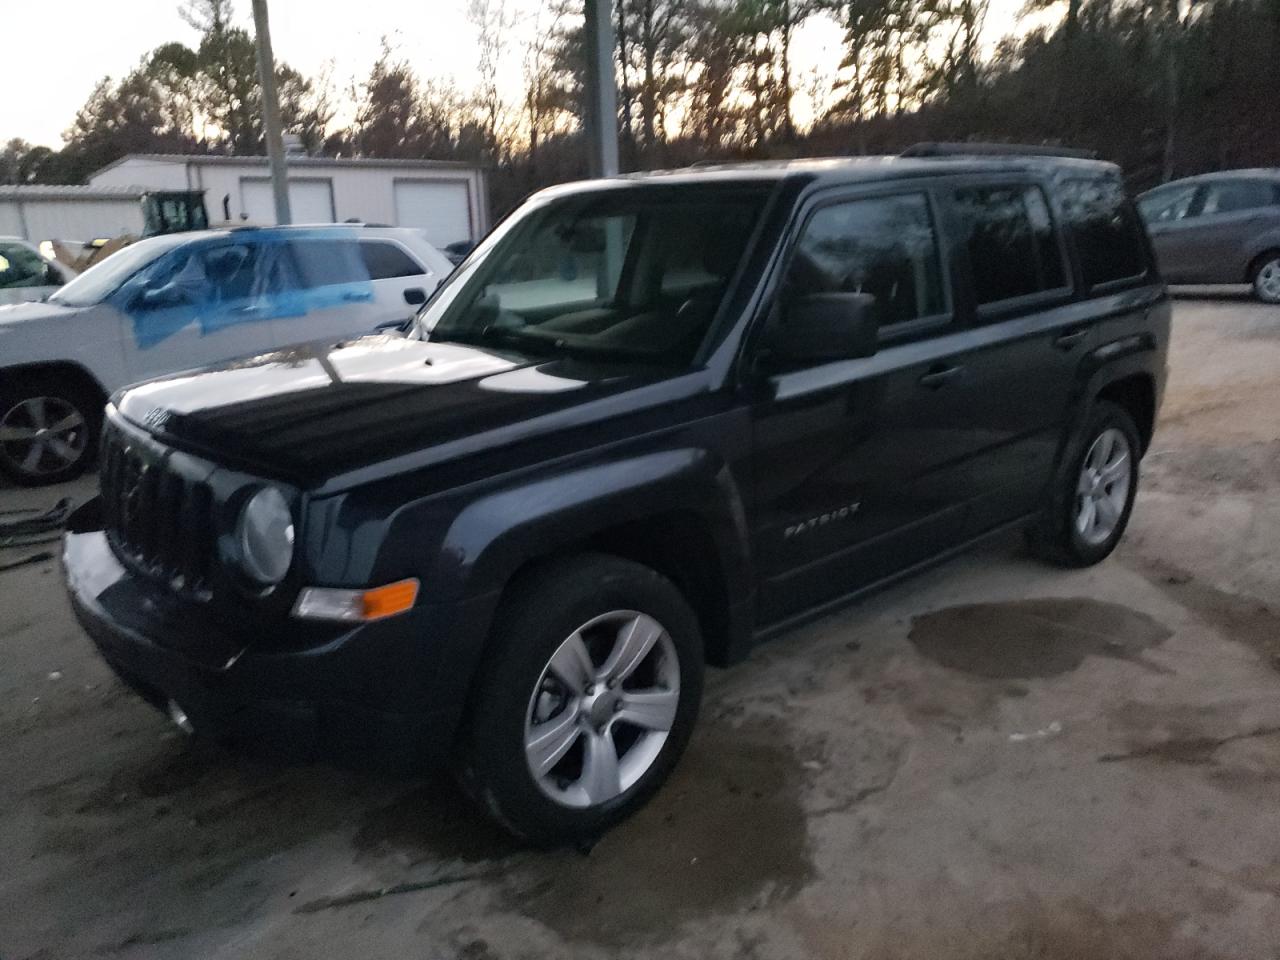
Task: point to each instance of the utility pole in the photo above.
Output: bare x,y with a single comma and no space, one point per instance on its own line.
602,94
271,113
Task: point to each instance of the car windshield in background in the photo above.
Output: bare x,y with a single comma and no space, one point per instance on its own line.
632,273
103,279
20,266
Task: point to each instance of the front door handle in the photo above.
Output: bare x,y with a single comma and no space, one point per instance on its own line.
1068,340
938,376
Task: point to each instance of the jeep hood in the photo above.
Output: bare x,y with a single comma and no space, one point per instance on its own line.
14,314
313,412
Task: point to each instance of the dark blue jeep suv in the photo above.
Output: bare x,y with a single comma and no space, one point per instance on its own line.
647,421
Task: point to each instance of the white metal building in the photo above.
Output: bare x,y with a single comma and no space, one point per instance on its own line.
447,200
39,213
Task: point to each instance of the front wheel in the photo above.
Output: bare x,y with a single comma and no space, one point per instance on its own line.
1093,496
48,430
586,700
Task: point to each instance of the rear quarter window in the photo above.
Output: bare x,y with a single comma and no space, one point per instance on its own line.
386,261
1108,236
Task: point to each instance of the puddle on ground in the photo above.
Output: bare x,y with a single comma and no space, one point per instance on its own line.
1035,638
727,832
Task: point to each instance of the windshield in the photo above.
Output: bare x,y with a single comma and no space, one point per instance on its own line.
636,272
103,279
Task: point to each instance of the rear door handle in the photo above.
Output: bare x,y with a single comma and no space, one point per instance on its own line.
1068,340
938,376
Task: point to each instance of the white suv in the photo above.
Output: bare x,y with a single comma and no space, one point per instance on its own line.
176,302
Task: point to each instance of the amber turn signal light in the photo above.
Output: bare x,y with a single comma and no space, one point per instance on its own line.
330,603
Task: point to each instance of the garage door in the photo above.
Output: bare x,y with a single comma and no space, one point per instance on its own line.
439,208
310,201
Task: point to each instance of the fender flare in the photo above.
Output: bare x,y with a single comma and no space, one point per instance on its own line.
1113,362
1264,242
498,533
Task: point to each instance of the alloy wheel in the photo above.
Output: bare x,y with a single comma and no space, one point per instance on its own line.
1267,281
602,709
1102,490
43,435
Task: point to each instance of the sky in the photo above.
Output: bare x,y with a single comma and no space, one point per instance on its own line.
59,66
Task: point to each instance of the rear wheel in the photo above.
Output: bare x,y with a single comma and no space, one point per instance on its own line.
1093,496
48,430
1266,277
586,701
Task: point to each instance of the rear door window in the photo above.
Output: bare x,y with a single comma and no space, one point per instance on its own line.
1108,235
885,246
1234,196
1014,250
324,262
386,261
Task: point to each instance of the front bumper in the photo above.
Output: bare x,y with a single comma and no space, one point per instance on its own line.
389,692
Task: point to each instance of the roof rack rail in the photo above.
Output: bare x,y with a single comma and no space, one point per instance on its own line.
935,149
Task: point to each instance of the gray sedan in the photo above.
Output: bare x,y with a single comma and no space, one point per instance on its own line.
1218,228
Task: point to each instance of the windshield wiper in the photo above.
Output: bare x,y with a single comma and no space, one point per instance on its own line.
547,344
493,337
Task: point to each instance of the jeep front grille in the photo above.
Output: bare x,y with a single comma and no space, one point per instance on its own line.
158,521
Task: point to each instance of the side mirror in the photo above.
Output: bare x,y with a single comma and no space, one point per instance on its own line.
823,327
415,296
398,326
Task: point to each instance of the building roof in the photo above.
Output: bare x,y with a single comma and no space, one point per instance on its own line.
40,191
206,159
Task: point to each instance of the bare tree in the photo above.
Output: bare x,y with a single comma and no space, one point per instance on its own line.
492,22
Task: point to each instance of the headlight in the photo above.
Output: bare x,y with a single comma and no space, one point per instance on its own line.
265,536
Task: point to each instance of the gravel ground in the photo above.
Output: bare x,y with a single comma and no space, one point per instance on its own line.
994,760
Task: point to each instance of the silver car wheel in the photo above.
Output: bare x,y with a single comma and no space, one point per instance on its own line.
602,709
1102,490
1266,283
42,435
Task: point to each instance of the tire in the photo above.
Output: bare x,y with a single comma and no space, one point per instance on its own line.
1068,533
1266,277
48,429
601,599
